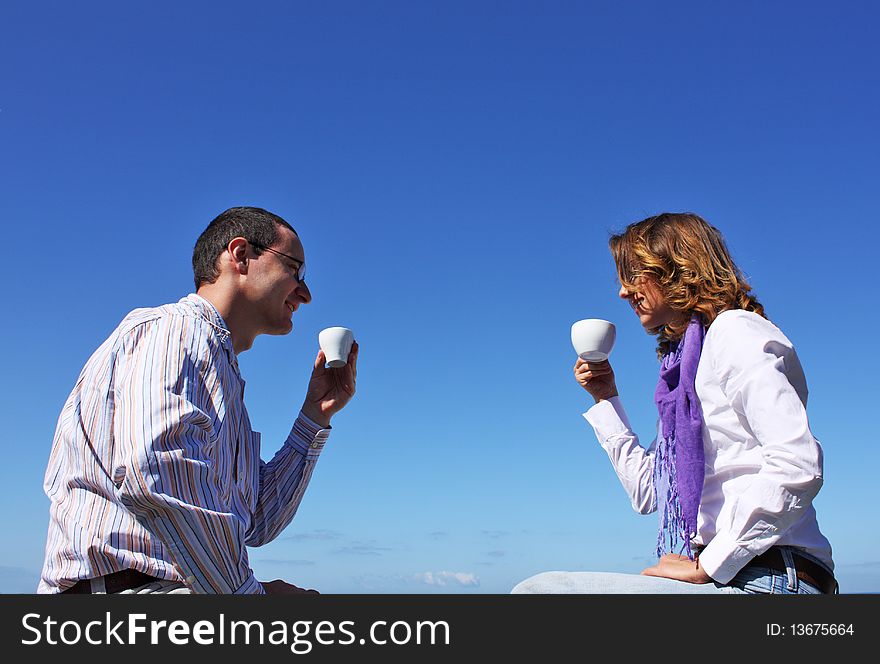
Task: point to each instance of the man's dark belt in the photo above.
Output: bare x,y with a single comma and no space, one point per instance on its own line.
114,583
806,570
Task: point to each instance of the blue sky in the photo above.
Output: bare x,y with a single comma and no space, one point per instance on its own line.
454,170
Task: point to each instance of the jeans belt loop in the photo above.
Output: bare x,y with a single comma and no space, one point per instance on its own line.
790,569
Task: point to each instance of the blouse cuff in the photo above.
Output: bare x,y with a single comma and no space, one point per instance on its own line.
608,419
723,558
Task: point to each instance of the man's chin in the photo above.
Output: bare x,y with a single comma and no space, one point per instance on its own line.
283,327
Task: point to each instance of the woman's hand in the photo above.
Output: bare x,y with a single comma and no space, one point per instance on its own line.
680,568
597,378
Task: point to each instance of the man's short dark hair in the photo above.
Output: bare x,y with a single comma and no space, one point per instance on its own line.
255,225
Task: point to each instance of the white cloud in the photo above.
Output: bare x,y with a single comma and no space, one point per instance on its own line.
495,534
363,549
320,535
448,578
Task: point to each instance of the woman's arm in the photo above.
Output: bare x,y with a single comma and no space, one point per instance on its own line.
633,464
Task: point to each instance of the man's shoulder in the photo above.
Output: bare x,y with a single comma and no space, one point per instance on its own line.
144,315
185,315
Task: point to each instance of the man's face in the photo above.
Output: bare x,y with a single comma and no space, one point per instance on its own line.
272,284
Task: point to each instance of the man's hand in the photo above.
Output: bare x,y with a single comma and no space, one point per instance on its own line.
279,587
330,389
680,568
597,378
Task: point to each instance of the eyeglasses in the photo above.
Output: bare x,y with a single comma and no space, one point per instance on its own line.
301,266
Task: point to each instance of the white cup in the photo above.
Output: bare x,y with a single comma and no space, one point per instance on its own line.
593,339
336,344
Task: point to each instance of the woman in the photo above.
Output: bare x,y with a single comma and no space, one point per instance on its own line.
734,467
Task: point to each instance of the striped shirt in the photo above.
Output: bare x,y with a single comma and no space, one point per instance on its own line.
154,465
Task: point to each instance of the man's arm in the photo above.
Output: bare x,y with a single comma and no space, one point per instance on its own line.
166,400
284,479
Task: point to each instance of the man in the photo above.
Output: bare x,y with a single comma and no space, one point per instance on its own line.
155,477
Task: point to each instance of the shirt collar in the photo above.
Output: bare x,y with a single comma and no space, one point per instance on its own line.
209,312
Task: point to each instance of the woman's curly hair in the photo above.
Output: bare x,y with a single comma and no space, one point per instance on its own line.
691,265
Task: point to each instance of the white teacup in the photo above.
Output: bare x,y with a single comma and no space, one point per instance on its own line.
336,343
593,339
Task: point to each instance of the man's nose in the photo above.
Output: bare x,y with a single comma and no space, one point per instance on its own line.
303,291
623,293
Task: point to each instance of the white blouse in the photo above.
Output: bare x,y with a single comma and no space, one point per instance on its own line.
763,465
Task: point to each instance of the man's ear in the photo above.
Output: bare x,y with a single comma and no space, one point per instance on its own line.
238,248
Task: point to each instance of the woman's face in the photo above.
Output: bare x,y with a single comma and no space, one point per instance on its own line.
648,303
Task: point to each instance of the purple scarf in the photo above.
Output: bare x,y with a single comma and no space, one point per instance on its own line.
678,461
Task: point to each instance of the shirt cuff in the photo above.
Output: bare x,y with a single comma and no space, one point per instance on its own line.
307,437
608,419
723,558
251,587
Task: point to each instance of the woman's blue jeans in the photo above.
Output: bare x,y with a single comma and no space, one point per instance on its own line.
750,580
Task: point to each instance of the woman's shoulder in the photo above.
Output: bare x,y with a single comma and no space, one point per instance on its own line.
742,320
740,345
738,328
